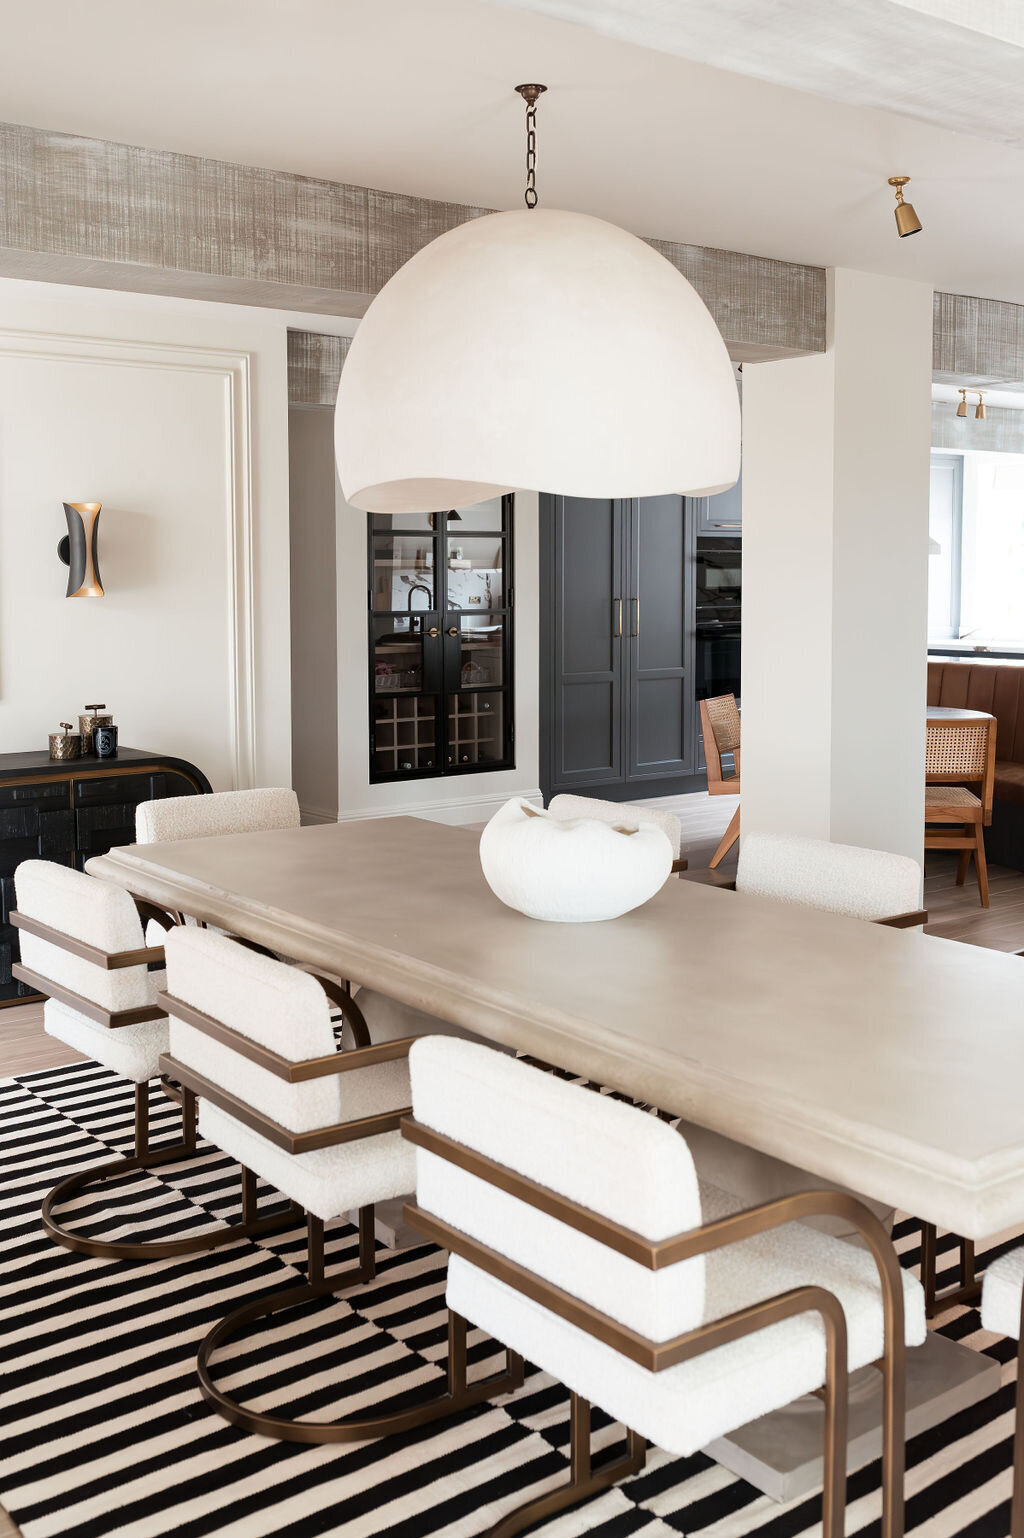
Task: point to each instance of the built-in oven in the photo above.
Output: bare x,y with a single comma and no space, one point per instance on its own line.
717,620
718,658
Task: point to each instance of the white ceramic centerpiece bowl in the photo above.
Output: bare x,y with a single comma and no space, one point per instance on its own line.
571,871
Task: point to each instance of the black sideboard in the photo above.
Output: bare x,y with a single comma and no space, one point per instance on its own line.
68,811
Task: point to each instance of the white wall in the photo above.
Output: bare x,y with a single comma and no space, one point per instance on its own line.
173,414
835,573
458,798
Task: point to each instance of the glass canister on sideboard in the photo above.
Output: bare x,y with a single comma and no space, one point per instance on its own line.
105,740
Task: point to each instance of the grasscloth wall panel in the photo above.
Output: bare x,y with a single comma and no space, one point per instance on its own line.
314,367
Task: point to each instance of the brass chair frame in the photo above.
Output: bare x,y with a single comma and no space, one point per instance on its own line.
145,1156
720,730
458,1394
656,1356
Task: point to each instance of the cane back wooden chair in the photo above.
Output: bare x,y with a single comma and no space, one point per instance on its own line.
579,1237
958,754
1002,1312
82,945
252,1039
720,730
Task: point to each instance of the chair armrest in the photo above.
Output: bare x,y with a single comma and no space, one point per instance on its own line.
282,1137
904,920
284,1067
110,961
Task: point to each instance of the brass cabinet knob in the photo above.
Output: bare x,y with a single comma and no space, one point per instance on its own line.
453,629
433,631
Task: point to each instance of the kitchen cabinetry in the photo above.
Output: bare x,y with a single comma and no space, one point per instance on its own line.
722,514
440,619
617,601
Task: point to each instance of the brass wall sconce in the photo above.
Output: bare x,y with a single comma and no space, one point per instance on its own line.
961,410
907,222
79,549
980,410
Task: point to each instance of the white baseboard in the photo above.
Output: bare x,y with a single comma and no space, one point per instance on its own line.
472,809
313,814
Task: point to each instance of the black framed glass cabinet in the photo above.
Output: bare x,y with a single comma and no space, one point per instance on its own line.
440,616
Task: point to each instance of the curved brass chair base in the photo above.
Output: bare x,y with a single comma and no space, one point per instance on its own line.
146,1157
457,1395
157,1249
584,1480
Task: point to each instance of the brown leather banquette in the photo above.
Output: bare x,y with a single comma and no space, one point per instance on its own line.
997,687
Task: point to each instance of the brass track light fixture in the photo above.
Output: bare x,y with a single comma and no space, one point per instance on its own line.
980,410
907,222
961,410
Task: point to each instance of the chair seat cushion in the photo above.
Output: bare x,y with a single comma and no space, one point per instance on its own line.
684,1408
949,795
1009,782
133,1051
1001,1294
325,1181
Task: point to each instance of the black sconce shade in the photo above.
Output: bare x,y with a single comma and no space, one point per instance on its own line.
79,549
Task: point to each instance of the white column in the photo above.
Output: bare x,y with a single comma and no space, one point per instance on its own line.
835,574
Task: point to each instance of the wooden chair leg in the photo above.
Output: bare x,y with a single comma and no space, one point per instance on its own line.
980,865
962,866
729,838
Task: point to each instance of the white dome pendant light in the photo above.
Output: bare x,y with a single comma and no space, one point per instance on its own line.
538,350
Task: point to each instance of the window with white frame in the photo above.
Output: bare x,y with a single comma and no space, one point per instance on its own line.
976,564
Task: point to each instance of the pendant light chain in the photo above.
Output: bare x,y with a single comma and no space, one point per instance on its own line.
530,93
530,195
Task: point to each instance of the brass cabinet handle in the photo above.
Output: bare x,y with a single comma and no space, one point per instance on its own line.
617,632
636,617
433,631
453,630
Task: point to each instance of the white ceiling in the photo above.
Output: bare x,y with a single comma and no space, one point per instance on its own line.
417,97
948,62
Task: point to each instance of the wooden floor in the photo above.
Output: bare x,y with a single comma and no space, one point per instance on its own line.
954,913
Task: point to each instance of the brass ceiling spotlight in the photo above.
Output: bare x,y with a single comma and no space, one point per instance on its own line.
961,410
907,222
980,410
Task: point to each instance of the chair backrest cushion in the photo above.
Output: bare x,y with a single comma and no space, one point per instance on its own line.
176,818
620,816
610,1157
91,910
837,878
277,1006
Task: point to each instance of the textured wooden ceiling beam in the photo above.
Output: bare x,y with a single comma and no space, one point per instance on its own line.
89,211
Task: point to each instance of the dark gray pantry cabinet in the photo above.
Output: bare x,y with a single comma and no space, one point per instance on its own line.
617,645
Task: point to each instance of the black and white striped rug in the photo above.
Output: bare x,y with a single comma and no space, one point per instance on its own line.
103,1431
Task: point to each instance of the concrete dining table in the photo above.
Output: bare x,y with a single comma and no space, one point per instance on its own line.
886,1060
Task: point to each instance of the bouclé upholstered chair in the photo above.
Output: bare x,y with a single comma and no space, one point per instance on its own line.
580,1238
82,945
252,1038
